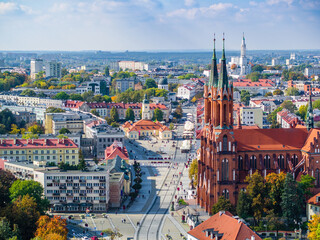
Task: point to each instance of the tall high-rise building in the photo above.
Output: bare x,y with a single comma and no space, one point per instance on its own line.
36,66
245,67
53,69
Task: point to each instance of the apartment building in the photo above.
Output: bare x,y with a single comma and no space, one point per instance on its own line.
27,117
186,91
40,151
53,69
133,65
32,101
124,84
251,116
103,136
68,191
36,66
54,122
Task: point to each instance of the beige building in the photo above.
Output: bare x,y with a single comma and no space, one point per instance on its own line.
54,122
251,116
313,206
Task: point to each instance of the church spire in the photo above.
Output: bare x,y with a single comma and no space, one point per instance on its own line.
310,120
213,81
223,79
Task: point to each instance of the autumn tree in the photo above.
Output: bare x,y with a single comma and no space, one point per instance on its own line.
277,92
113,234
288,105
14,129
193,172
314,227
31,188
292,91
222,205
274,185
257,192
24,213
36,129
95,112
51,228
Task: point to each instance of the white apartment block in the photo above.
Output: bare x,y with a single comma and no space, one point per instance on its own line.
53,69
32,101
36,66
312,71
133,65
251,116
68,191
186,91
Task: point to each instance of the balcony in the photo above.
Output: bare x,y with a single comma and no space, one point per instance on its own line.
82,181
102,187
69,180
76,187
88,187
102,180
102,194
55,180
63,187
83,194
56,194
76,201
102,201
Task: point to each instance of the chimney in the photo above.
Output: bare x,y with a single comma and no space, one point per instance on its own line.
32,141
221,212
14,141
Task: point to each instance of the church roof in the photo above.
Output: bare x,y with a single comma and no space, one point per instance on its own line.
163,81
270,139
313,134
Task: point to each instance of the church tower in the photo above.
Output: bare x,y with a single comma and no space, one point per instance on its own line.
216,168
245,68
310,120
145,111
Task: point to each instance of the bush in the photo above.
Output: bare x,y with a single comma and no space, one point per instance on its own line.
182,202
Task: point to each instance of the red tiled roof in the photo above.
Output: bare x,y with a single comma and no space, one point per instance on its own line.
270,139
36,143
249,83
313,200
116,149
146,125
126,105
228,227
313,134
73,104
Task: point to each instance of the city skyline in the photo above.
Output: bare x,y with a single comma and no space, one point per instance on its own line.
158,25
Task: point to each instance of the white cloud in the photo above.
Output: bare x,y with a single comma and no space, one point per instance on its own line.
274,2
210,11
10,7
189,3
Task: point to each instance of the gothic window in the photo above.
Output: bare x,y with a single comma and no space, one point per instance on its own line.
225,170
240,163
317,176
218,114
225,143
224,114
267,161
294,160
281,161
253,162
225,193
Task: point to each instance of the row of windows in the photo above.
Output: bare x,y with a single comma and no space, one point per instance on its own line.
55,184
77,177
77,198
75,191
37,151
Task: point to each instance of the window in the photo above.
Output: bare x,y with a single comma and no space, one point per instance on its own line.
225,193
225,170
281,161
225,143
253,162
317,176
240,163
294,160
266,161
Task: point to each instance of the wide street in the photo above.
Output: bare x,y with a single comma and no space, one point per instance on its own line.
148,217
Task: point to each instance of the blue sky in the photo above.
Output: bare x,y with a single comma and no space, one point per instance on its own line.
158,24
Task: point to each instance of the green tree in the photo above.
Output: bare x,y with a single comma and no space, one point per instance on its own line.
6,232
291,209
254,76
114,115
31,188
76,96
7,119
272,118
55,110
64,72
257,192
274,186
268,94
316,104
87,96
150,83
64,131
277,92
306,184
171,126
178,113
302,111
113,234
292,91
130,115
244,205
82,164
95,112
257,68
107,99
158,114
245,96
287,104
106,71
222,205
6,180
61,96
193,172
28,92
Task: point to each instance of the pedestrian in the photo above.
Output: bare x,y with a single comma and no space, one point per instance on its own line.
124,220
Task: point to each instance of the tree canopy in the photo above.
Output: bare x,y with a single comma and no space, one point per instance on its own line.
150,83
158,114
130,115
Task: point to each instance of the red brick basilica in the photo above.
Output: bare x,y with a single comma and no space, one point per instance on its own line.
229,153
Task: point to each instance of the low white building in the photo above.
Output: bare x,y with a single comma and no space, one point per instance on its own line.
68,191
186,91
251,116
313,206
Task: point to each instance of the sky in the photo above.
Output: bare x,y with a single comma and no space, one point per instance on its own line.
158,25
